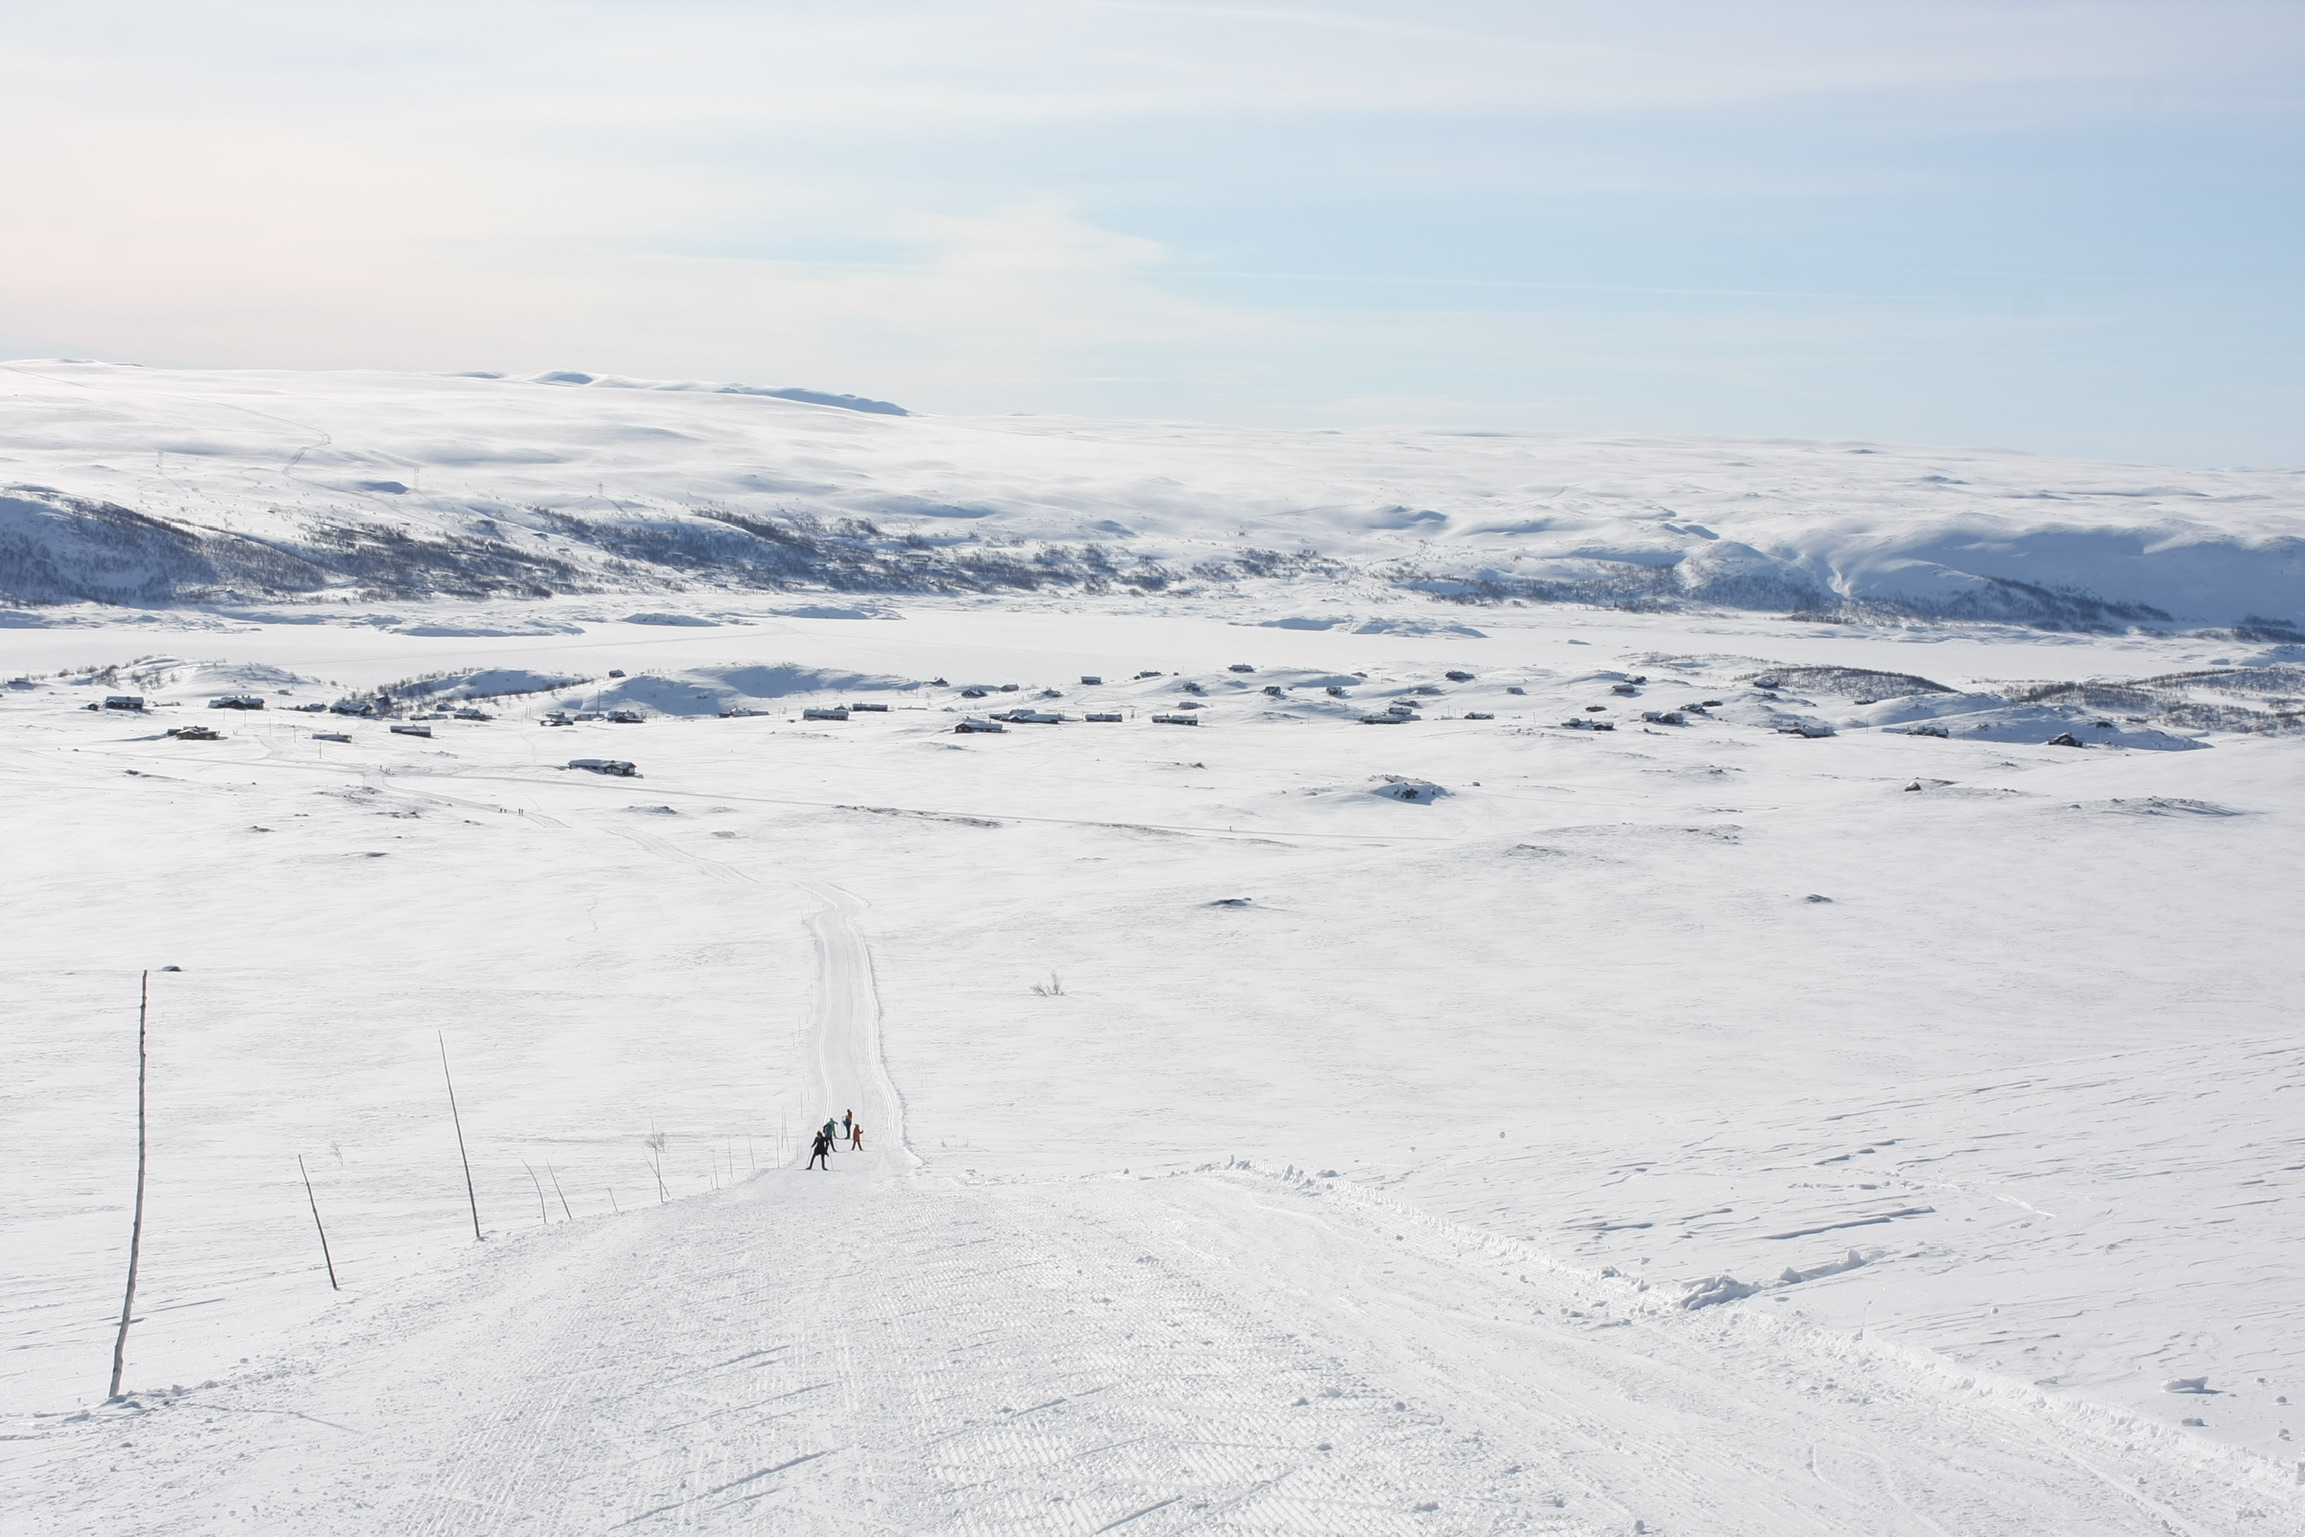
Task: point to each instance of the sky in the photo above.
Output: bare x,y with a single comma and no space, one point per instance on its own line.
2057,227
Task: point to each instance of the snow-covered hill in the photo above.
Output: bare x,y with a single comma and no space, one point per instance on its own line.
1765,1116
157,487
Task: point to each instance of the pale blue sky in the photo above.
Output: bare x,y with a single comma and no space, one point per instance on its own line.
2059,227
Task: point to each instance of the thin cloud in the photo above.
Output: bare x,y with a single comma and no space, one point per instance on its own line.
937,201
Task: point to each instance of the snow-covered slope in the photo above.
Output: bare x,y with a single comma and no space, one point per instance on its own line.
146,486
1702,1126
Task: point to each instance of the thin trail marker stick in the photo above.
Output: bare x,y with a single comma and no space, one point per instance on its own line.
460,1153
136,1228
612,1206
326,1258
543,1216
556,1190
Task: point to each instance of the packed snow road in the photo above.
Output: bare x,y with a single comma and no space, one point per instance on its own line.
878,1349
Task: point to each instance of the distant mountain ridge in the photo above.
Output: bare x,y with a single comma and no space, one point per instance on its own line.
161,488
806,397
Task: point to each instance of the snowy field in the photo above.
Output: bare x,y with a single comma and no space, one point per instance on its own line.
1284,1123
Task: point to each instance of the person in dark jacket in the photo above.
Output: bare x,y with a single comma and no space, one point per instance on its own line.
820,1152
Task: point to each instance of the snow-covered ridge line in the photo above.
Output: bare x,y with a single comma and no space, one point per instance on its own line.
157,487
618,382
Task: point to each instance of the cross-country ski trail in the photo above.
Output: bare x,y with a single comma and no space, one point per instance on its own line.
895,1348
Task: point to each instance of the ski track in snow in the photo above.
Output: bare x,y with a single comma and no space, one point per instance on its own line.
874,1349
1045,1343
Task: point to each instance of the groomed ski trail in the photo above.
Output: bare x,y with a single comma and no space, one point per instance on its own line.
887,1349
845,1059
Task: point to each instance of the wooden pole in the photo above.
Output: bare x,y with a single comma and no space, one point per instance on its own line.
543,1217
460,1153
325,1257
136,1227
556,1190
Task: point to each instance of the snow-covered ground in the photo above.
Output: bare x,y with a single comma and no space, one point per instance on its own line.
168,486
1692,1127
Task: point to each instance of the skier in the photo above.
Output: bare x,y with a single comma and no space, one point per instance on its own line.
820,1152
828,1132
856,1136
847,1120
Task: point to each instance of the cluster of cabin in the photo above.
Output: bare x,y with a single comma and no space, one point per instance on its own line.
1182,712
613,717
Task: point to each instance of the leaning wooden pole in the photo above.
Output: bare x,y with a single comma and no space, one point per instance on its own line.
543,1217
325,1257
460,1153
136,1227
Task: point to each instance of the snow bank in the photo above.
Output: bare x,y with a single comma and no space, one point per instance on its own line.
716,690
485,683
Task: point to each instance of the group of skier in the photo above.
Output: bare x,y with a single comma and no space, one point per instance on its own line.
847,1129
